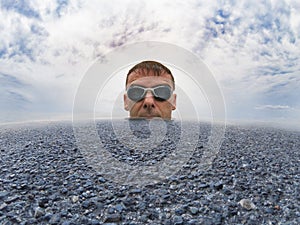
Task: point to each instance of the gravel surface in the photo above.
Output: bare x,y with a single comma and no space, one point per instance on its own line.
44,179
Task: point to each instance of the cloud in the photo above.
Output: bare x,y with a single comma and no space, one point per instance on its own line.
22,7
254,54
273,107
14,97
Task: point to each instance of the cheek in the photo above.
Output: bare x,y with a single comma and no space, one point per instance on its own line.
164,105
134,105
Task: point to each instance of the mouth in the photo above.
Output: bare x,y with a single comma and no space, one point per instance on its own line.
149,115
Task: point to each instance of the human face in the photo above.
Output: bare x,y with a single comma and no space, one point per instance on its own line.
149,107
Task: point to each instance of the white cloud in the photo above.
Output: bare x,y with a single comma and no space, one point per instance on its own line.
273,107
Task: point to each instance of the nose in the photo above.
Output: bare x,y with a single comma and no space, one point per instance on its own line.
148,101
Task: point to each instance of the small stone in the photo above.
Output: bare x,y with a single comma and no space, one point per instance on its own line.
3,206
12,175
64,190
218,186
48,216
173,187
247,204
30,196
113,218
74,198
11,199
136,191
269,210
193,210
55,219
64,213
120,207
86,204
23,186
43,202
111,210
179,211
144,218
3,194
94,222
80,189
38,212
227,191
101,180
178,220
203,185
67,223
167,196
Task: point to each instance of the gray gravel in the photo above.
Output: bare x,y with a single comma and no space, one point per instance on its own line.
44,179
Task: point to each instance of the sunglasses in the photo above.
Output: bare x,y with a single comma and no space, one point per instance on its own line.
160,93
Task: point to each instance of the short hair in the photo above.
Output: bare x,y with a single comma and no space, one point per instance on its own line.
146,66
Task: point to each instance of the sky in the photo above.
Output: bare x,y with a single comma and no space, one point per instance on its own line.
251,47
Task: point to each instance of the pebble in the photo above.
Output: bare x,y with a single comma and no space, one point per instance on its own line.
113,218
48,182
38,212
135,191
74,198
193,210
120,207
177,220
3,206
247,204
3,194
11,199
218,185
55,219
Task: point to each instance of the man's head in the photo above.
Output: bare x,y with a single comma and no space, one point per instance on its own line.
149,91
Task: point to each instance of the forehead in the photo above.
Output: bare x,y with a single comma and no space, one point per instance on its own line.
149,80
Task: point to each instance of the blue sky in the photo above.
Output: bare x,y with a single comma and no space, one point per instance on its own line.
252,48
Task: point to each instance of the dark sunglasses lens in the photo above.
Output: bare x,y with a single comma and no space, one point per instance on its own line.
162,93
135,93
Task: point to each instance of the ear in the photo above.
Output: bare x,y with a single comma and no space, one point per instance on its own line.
126,107
173,101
